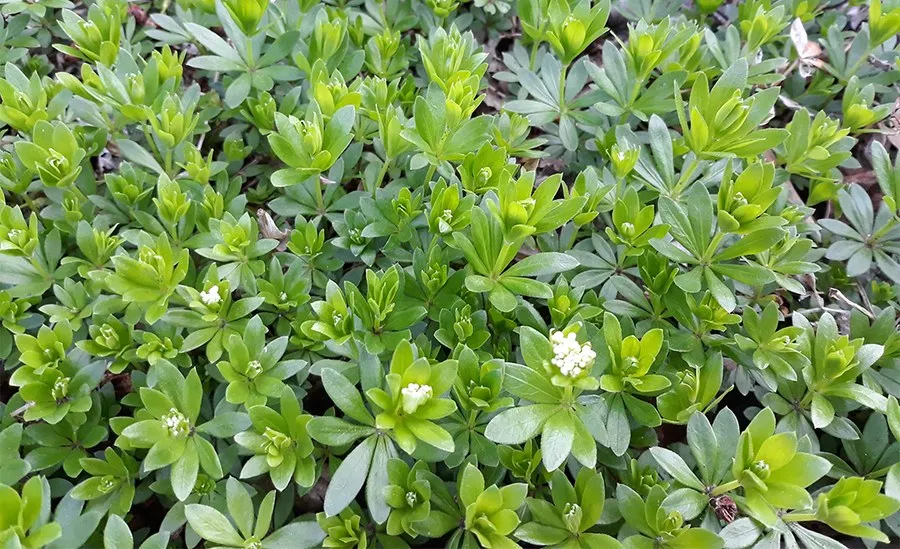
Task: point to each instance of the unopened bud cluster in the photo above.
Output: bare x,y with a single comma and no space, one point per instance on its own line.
413,396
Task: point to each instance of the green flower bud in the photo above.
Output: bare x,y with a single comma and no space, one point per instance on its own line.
761,469
247,14
572,517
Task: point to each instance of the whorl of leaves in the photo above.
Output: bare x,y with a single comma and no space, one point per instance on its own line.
431,273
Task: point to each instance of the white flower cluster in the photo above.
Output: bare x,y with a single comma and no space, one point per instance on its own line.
571,357
211,296
176,423
414,395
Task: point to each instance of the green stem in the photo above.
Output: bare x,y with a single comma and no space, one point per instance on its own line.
573,237
502,258
724,488
685,175
472,417
149,137
809,396
430,174
320,201
858,64
798,517
81,196
713,245
892,222
169,162
30,203
384,169
562,88
535,47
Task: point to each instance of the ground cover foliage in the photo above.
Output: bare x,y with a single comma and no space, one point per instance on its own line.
410,273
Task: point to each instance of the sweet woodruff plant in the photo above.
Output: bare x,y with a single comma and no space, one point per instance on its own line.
578,274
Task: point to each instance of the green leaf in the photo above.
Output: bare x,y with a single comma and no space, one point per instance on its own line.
520,424
333,431
240,507
184,472
471,483
530,384
704,445
556,439
542,264
689,503
675,466
139,155
348,480
212,525
617,428
741,533
345,396
893,416
116,534
296,535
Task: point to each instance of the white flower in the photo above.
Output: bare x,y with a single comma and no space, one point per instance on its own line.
176,423
411,499
211,296
569,356
413,396
254,369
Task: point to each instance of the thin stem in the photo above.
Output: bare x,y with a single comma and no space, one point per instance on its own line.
798,517
535,47
472,417
573,237
858,64
504,257
713,245
317,181
30,203
809,396
888,227
169,162
384,169
149,137
685,176
724,488
430,174
562,88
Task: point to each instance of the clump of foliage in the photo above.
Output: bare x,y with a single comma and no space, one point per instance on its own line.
580,274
